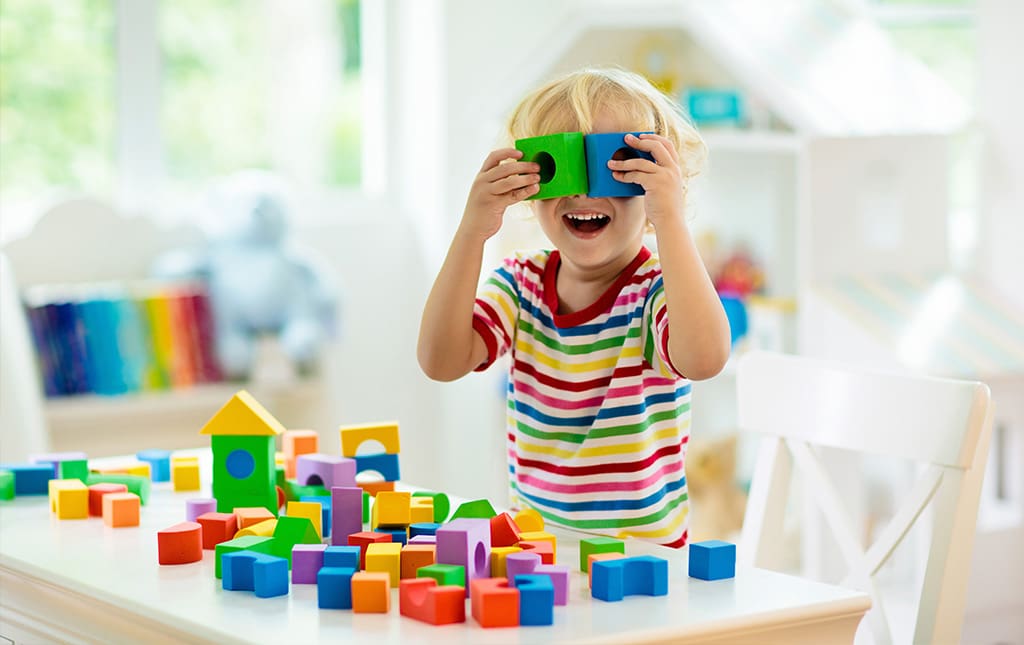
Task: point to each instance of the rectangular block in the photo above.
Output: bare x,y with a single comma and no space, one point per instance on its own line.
346,513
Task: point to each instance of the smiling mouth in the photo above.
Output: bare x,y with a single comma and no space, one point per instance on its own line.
585,222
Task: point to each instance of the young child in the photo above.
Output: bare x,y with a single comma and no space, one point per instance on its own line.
604,337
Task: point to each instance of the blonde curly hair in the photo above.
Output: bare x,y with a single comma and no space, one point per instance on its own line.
569,103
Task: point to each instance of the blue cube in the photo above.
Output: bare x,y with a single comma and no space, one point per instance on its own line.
712,560
602,148
270,576
536,599
346,557
334,587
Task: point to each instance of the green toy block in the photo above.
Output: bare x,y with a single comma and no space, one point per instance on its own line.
366,507
480,508
258,543
589,546
244,472
291,531
563,163
73,469
6,484
293,492
445,574
441,505
136,483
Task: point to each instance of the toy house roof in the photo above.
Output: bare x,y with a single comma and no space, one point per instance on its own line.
243,415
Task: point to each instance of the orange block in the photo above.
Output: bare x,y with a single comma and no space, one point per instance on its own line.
180,544
371,592
596,557
543,548
96,493
249,515
494,603
121,509
375,487
422,599
415,556
295,443
541,536
217,528
504,531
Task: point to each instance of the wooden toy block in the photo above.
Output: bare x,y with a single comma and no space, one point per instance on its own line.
121,509
602,148
290,531
364,538
599,545
611,580
325,510
217,528
563,166
69,499
597,557
6,485
371,592
31,479
385,432
445,574
559,576
385,557
295,443
423,528
185,475
328,471
343,556
466,542
200,506
479,508
307,560
498,555
541,536
504,531
159,463
250,542
384,463
138,485
536,599
712,560
346,513
243,415
421,510
309,510
422,599
529,520
400,535
249,515
334,587
180,544
372,488
417,556
392,509
244,472
265,528
266,575
494,603
96,493
73,469
521,563
442,505
544,548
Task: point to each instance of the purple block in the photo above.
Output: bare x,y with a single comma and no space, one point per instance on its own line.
307,560
467,542
198,506
54,458
522,563
423,539
325,470
346,513
559,574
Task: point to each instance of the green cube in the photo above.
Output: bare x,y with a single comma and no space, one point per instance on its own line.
563,163
136,483
589,546
6,484
441,504
258,543
479,508
73,469
445,574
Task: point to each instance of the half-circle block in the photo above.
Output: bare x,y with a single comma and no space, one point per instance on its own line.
536,599
529,520
422,599
325,470
602,148
466,542
611,580
180,544
563,165
385,432
494,603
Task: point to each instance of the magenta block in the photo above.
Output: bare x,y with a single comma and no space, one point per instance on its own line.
307,559
559,574
198,506
346,513
423,539
325,470
522,563
467,542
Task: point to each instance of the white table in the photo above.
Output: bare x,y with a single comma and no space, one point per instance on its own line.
81,581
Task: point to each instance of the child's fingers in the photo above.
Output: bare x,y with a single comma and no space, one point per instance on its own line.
638,164
657,146
497,156
515,182
521,193
510,169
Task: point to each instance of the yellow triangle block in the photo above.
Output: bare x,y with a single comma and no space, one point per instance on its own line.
243,415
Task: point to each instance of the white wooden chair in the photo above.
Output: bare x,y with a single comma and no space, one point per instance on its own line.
798,403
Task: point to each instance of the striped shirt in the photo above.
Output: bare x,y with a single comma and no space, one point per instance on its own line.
598,418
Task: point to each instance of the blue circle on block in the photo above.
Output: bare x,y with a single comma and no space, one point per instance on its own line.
240,463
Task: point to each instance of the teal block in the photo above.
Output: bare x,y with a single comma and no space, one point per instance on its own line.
563,165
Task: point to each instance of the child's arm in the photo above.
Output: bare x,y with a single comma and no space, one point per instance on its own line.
698,341
448,346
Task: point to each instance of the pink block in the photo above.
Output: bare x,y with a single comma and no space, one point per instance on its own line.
346,513
199,506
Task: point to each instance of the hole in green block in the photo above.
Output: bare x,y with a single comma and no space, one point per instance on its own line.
547,166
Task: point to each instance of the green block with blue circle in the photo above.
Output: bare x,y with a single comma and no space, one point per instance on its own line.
244,472
563,165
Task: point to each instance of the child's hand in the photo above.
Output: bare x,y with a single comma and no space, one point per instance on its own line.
497,186
661,178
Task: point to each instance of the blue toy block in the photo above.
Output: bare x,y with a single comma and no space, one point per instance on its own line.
159,463
712,560
344,557
237,571
270,576
325,510
384,463
612,580
423,528
334,587
602,148
536,599
397,535
31,479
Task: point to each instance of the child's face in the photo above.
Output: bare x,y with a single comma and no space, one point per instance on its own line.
600,232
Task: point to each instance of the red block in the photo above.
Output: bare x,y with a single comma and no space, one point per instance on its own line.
494,603
543,548
364,538
96,493
422,599
504,530
217,528
180,544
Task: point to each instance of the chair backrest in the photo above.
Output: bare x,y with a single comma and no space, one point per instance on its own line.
799,403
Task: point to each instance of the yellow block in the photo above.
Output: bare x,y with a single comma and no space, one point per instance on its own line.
421,510
311,510
393,508
262,529
498,555
529,520
385,432
385,557
541,536
142,469
243,415
69,499
185,474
